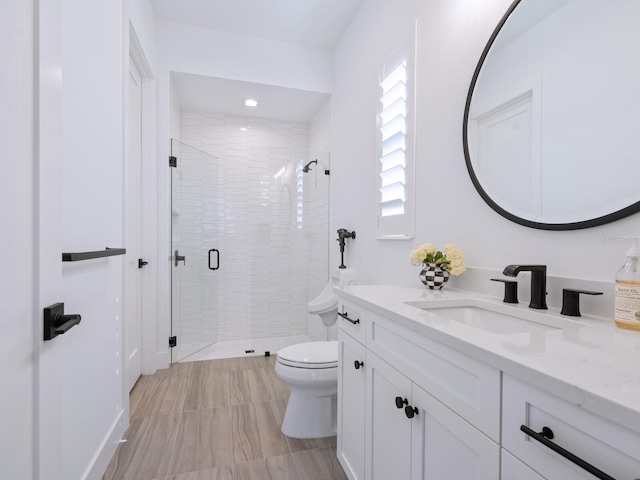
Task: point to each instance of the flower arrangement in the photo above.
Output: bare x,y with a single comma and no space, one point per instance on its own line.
452,257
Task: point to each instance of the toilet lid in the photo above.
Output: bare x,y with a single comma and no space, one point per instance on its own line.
310,355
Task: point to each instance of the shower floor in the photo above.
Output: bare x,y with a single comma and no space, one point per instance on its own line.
238,348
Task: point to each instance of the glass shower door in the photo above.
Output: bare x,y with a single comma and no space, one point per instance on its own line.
195,259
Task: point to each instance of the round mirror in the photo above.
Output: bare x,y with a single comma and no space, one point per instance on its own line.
551,119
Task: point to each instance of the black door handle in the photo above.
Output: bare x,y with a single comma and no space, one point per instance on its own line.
56,322
179,258
142,263
217,259
358,364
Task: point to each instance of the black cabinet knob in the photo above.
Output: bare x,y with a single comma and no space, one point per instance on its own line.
358,364
401,402
410,411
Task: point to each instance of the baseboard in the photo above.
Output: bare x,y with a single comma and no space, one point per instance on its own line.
163,360
103,456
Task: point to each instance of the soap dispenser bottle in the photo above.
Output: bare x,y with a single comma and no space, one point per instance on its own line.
627,301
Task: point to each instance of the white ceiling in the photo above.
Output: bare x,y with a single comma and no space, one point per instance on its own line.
310,23
209,94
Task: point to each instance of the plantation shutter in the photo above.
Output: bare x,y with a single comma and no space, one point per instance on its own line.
395,144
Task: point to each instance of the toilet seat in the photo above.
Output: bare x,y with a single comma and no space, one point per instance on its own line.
310,355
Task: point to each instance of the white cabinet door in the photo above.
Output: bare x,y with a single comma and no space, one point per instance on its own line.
388,436
445,446
351,406
514,469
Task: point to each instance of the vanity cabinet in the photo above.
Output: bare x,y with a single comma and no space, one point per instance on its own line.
392,425
414,405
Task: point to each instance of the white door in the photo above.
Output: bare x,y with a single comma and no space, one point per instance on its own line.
133,232
79,171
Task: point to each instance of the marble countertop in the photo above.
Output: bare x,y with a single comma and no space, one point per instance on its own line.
585,360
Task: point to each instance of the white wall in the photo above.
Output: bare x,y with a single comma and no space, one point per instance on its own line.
213,53
451,36
16,218
141,16
202,51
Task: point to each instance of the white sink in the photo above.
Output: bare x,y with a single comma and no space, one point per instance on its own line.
496,318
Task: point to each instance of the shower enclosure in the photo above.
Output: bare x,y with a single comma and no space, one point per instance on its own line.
249,243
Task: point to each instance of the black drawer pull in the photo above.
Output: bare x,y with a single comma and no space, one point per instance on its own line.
545,437
345,315
358,364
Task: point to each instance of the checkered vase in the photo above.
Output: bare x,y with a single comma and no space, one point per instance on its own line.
434,275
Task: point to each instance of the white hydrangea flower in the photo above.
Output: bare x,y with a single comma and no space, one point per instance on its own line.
455,256
419,254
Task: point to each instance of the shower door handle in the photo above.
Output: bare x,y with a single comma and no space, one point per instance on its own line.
217,259
179,258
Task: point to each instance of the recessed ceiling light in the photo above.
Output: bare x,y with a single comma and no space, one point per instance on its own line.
250,102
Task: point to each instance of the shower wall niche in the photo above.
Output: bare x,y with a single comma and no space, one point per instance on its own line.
269,221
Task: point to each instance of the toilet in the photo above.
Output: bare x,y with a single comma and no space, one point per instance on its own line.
311,370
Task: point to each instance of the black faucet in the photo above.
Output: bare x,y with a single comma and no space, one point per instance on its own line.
538,282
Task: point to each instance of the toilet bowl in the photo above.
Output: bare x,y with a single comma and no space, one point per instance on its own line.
311,370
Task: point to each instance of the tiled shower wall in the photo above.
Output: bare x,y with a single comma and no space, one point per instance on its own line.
261,222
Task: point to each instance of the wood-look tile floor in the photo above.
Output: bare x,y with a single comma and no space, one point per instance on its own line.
217,420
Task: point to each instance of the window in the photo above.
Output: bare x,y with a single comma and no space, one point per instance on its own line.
396,143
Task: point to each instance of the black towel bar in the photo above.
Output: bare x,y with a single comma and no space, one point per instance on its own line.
77,256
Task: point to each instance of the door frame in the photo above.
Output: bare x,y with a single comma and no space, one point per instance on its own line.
148,193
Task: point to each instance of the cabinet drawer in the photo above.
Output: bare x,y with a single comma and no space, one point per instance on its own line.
609,447
351,319
468,387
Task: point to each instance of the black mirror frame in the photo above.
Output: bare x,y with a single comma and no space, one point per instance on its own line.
612,217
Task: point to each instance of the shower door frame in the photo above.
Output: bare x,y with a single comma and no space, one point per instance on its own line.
175,337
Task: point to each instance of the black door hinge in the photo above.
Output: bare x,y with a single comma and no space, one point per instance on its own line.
173,161
142,263
173,341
